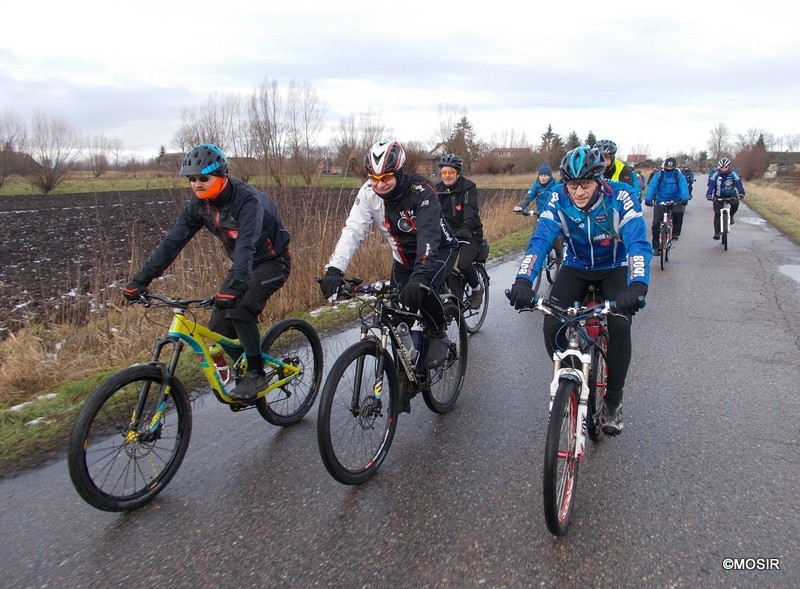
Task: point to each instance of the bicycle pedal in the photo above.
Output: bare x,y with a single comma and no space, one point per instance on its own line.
237,406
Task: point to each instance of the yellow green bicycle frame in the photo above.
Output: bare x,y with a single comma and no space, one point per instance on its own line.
195,334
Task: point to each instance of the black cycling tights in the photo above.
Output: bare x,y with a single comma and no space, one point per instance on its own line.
572,285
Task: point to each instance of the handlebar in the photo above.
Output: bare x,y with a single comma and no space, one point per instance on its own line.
148,299
546,306
527,213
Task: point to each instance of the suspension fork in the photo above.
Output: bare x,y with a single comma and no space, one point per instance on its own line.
164,389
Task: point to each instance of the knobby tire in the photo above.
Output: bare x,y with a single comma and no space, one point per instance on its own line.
560,465
296,342
115,468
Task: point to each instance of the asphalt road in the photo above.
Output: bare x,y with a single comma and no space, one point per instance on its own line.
706,469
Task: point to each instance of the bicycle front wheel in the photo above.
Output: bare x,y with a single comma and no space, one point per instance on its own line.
725,223
597,393
474,318
560,465
445,382
296,343
358,413
117,463
664,246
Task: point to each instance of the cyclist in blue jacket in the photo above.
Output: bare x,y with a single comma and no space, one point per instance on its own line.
606,239
668,184
725,182
539,192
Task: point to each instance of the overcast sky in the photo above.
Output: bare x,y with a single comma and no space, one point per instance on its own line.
655,74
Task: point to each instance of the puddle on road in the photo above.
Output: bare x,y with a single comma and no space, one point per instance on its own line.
751,220
791,271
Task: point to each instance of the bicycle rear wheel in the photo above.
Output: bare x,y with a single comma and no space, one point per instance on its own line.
662,238
116,465
355,428
560,465
474,318
553,265
597,393
294,342
444,383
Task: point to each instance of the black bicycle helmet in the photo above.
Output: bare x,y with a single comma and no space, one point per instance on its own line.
205,159
582,163
384,157
451,160
669,163
606,147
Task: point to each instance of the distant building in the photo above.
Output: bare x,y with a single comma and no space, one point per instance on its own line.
784,166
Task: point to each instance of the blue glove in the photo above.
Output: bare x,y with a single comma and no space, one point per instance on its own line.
628,300
412,295
521,293
229,294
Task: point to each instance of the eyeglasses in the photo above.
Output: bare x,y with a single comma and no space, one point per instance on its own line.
585,184
193,179
444,172
381,177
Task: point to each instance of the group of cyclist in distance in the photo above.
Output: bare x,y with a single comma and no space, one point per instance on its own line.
594,210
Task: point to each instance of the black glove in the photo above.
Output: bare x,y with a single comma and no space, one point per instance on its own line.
521,293
134,291
463,233
229,294
741,197
412,295
331,283
709,197
648,203
684,202
628,300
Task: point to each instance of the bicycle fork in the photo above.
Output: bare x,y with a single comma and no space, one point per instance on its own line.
581,378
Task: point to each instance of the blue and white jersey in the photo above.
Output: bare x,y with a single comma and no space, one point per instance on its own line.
611,234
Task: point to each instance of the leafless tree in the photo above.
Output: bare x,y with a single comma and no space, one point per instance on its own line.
54,145
790,142
719,142
115,146
305,115
12,138
267,121
354,139
98,148
749,139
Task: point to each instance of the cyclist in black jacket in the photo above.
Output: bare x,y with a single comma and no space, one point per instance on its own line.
405,209
247,223
459,198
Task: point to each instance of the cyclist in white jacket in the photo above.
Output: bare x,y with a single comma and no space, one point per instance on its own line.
406,210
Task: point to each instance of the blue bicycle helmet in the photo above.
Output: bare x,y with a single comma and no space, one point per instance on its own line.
204,159
582,163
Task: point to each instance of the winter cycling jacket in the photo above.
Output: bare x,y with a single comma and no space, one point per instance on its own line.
667,185
459,204
413,225
624,173
611,234
725,184
242,217
538,193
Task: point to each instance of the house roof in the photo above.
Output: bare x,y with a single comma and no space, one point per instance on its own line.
783,157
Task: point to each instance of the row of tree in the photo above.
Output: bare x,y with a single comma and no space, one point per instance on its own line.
276,131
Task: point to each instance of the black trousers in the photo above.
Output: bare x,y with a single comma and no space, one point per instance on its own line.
573,285
677,219
718,204
466,256
432,309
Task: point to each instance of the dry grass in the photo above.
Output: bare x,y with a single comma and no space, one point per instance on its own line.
39,360
778,205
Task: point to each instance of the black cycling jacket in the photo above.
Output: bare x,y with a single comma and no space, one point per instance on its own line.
242,217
